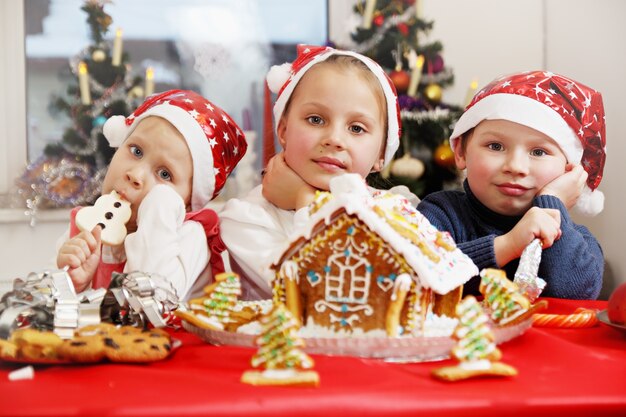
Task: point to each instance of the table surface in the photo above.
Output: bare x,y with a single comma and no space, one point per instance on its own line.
567,372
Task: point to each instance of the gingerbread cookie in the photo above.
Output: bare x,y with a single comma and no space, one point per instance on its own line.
111,213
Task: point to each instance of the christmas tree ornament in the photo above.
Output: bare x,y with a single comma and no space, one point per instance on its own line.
407,166
379,19
444,156
433,93
399,77
98,55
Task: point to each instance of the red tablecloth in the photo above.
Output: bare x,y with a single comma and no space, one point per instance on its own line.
561,372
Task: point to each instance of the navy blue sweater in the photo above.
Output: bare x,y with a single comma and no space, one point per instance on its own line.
572,266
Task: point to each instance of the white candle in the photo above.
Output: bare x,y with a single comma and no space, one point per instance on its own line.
418,9
370,6
416,74
83,83
471,91
116,59
149,89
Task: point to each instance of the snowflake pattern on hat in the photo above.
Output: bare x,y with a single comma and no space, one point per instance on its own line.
215,141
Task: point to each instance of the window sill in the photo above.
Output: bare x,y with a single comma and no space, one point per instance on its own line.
18,215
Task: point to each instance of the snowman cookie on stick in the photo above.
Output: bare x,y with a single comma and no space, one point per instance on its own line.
111,213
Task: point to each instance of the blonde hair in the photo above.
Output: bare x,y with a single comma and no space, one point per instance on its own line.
347,63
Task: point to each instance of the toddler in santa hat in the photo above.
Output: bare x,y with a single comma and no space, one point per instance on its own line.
336,112
533,146
174,155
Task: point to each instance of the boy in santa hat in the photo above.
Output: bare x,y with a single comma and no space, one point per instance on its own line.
533,146
174,155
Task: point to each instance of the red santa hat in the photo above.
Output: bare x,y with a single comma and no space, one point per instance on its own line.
283,79
215,141
567,111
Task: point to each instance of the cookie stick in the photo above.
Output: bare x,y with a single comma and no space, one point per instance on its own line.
401,287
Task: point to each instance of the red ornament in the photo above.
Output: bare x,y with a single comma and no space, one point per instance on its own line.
401,80
443,156
403,28
379,20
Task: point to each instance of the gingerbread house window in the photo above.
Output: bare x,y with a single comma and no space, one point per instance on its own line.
348,277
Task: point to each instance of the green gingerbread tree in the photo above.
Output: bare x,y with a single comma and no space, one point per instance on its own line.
223,298
280,353
502,296
475,347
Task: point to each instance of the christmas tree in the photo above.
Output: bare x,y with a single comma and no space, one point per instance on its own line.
475,348
502,296
71,170
223,298
393,33
280,352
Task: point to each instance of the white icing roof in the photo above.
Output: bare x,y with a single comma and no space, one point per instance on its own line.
351,193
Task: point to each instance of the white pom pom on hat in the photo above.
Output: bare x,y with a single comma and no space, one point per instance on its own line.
115,131
567,111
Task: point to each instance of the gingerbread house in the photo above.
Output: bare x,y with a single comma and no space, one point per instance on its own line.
369,261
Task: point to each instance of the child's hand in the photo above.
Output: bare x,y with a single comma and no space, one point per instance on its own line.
568,186
82,255
544,224
283,187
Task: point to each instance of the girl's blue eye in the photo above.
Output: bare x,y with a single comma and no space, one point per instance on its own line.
357,129
164,174
316,120
135,150
538,152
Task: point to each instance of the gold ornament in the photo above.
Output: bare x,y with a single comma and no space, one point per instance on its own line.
444,156
98,55
433,93
408,167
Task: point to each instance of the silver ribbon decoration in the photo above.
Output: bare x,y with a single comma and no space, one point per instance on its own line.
47,301
526,275
139,299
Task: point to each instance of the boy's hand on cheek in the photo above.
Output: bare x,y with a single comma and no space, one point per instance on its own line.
282,186
544,224
568,186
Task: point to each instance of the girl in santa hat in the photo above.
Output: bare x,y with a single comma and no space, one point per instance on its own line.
174,154
533,146
336,112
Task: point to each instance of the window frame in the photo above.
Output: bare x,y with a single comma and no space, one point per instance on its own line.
13,147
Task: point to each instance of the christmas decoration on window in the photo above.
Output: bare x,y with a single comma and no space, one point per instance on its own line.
395,34
71,170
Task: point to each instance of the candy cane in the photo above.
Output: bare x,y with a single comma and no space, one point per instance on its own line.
582,317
